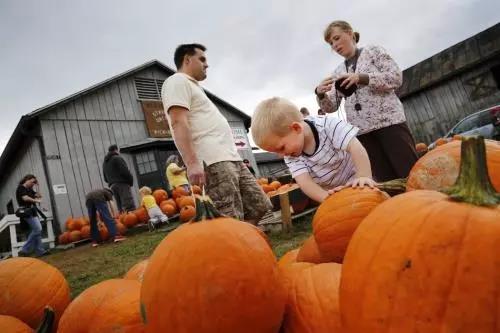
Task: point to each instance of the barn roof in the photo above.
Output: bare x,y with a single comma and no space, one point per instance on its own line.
451,61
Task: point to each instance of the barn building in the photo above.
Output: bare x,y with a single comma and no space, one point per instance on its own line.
443,89
64,143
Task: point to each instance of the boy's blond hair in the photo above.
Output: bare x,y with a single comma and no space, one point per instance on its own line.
145,190
273,116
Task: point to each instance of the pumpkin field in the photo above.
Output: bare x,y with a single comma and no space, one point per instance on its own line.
426,260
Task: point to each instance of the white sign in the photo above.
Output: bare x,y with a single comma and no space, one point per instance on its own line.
60,189
240,138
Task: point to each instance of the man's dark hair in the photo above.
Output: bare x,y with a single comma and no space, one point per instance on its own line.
186,49
113,148
26,178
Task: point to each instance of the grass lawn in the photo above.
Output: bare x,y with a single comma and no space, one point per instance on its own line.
84,266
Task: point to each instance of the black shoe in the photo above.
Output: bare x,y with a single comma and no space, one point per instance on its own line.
46,253
22,254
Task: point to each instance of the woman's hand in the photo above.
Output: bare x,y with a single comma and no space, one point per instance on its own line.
350,79
324,87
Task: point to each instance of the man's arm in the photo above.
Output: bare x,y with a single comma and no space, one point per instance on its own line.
184,142
310,188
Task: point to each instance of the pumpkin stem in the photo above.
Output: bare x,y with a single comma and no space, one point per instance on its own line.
47,321
205,209
393,187
473,184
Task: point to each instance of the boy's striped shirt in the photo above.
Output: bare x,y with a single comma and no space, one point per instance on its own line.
330,165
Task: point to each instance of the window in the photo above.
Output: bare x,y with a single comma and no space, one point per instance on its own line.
146,162
148,89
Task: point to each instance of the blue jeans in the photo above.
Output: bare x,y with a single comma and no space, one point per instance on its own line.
34,241
102,208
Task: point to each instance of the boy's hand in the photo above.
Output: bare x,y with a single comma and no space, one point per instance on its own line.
360,181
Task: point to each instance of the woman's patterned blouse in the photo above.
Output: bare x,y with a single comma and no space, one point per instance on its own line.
380,107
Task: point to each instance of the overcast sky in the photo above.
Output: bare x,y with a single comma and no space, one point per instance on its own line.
256,49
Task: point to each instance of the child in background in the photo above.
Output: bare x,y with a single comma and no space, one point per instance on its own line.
156,216
322,153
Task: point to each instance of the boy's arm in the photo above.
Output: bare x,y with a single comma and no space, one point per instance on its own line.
362,164
310,188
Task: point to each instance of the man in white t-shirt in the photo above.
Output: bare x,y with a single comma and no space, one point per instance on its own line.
202,135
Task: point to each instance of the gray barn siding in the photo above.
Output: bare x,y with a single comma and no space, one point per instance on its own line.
27,160
431,113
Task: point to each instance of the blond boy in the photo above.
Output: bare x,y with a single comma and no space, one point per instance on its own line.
155,214
322,152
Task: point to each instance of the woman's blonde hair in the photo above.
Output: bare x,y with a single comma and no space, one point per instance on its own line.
273,116
345,26
145,190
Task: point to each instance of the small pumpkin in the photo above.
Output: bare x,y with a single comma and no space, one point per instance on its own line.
75,236
109,306
103,231
9,324
179,191
142,215
85,232
288,258
187,213
136,272
196,189
27,286
441,141
63,238
130,219
160,195
121,228
309,252
186,201
421,147
168,209
267,188
275,184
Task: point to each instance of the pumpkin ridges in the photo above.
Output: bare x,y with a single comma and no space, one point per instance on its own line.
309,252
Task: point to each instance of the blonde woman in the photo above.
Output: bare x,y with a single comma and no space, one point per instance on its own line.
367,80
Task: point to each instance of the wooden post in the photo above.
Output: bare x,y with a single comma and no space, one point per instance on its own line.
286,214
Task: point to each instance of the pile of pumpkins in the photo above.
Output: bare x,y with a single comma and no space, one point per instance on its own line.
422,261
275,187
422,147
181,203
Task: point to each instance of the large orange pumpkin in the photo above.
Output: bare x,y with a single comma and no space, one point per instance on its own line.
27,286
438,169
338,217
136,272
160,195
425,261
225,276
70,224
309,252
75,236
109,306
313,300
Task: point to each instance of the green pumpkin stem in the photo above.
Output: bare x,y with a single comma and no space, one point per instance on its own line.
47,321
393,187
473,184
205,210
